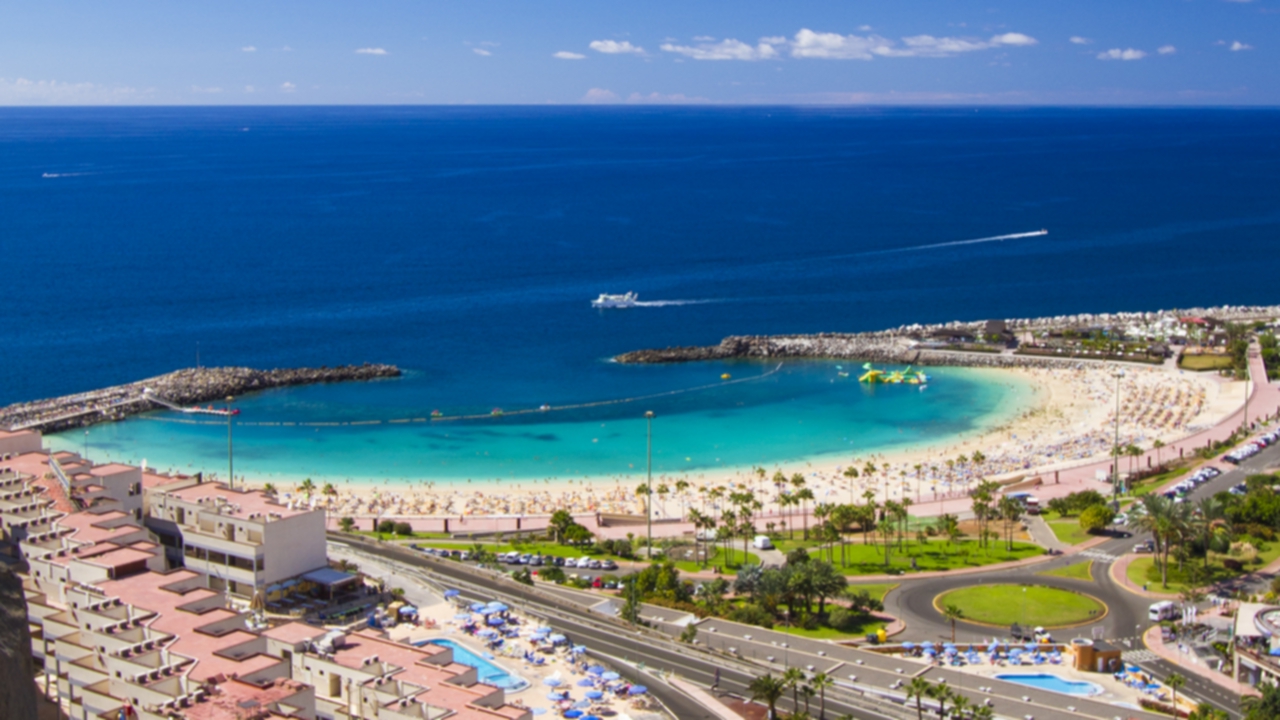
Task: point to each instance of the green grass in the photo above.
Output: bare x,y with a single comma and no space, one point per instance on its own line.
544,548
1069,531
875,590
1074,571
827,633
1027,605
393,536
1143,571
1153,483
936,554
1205,362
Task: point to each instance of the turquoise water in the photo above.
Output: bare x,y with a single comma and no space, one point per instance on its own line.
1045,681
803,411
488,672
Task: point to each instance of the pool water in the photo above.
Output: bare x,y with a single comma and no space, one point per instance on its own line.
489,673
1045,681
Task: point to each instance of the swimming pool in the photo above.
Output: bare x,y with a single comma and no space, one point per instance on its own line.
488,672
1045,681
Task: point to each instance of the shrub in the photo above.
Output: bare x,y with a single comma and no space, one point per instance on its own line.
1095,518
404,529
840,618
552,574
1232,564
751,614
386,526
522,576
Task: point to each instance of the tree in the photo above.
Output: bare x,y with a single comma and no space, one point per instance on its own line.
953,613
403,529
820,682
560,523
804,495
1157,445
1097,518
1265,705
1175,681
307,486
794,678
347,524
768,689
387,526
1011,513
960,706
1059,505
269,489
943,695
919,689
329,490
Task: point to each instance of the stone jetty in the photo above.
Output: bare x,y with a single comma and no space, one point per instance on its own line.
906,343
181,387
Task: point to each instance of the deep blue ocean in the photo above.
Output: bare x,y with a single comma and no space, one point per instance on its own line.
464,244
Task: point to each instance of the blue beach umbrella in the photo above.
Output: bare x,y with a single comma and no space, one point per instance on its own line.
586,682
539,711
908,645
927,644
551,682
496,621
579,649
637,690
589,717
555,696
477,607
595,670
610,676
497,607
572,714
451,594
593,694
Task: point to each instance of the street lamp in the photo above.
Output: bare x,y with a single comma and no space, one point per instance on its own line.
231,476
1115,449
648,483
86,445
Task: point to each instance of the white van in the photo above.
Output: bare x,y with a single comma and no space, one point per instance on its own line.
762,542
1166,610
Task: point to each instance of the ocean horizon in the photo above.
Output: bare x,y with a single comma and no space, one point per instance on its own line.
465,244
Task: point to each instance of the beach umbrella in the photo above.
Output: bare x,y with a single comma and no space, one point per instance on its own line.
462,616
572,714
451,594
637,690
486,610
1030,646
539,711
487,632
551,682
609,676
544,629
497,607
496,621
408,610
589,717
579,649
586,682
557,639
927,644
555,696
582,704
595,670
908,645
477,607
594,694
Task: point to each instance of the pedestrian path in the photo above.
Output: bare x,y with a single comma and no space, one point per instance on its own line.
1043,535
1100,556
1138,656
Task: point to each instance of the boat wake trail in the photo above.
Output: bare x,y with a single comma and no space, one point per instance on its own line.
994,238
667,303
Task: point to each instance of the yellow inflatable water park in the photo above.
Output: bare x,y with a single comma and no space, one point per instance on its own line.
873,376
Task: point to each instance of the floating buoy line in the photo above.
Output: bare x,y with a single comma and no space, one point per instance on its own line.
436,416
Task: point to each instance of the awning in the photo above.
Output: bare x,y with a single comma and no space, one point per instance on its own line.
329,577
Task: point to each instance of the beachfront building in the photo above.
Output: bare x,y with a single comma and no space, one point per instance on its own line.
244,541
1255,646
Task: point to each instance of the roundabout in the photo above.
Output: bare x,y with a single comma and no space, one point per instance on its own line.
1027,605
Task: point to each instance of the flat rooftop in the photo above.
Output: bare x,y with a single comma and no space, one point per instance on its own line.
252,502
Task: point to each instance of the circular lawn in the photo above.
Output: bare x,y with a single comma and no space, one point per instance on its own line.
1027,605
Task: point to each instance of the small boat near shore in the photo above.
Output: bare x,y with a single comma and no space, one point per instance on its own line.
625,300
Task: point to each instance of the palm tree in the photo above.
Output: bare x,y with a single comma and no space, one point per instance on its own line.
820,682
960,706
943,695
851,472
1208,520
1264,706
347,524
804,495
307,487
919,689
768,689
794,678
1175,681
682,489
953,613
1156,446
329,489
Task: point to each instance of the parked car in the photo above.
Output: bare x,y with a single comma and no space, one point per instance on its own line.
1144,547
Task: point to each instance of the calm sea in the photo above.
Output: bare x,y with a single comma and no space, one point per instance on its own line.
465,245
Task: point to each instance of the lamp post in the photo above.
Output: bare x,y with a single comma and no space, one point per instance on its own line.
231,476
86,446
648,482
1115,449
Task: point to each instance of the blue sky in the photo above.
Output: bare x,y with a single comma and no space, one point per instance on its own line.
1080,52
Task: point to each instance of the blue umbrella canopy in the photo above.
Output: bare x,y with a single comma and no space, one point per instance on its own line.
610,676
586,682
451,593
908,645
579,649
595,670
637,690
594,694
582,704
927,644
539,711
589,717
572,714
487,632
551,682
555,696
497,607
477,607
557,639
496,621
408,610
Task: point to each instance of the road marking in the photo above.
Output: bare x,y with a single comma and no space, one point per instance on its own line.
1100,556
1137,656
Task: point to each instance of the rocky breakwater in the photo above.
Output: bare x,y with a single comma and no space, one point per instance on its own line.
866,346
181,387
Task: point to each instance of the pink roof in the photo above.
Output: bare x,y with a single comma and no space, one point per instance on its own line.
116,559
111,469
150,479
250,502
294,632
228,698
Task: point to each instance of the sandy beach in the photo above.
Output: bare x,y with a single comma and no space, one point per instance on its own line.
1069,422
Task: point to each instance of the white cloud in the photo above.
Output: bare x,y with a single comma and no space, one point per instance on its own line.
205,90
1077,40
864,28
248,48
22,91
613,47
1166,50
1118,54
1237,46
655,98
701,38
287,87
566,55
600,95
481,52
371,51
833,46
725,50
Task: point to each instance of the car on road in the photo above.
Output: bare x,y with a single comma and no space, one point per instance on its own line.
1144,547
1121,519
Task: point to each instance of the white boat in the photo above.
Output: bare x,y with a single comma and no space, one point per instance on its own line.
615,301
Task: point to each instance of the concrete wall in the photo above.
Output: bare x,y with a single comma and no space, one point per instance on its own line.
294,545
